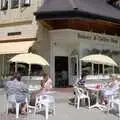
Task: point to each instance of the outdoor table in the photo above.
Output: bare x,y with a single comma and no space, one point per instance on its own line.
96,89
33,88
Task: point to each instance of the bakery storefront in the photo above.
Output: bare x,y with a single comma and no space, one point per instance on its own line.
68,46
75,30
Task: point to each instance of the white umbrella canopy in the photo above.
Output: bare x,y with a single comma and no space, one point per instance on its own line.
99,59
29,58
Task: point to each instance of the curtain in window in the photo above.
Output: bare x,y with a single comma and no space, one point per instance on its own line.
4,4
14,3
25,2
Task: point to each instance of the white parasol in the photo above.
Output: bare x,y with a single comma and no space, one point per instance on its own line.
29,58
99,59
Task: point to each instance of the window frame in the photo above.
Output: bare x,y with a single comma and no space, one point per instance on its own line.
13,6
4,5
24,4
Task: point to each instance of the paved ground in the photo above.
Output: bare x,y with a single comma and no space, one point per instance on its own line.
64,111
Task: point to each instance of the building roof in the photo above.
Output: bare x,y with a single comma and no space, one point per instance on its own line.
94,9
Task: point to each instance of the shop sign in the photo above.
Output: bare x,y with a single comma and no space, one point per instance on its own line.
97,38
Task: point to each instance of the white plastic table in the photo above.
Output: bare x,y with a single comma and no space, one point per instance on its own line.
97,104
33,88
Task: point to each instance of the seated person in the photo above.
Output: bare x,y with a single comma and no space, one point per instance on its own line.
18,88
110,90
82,80
46,85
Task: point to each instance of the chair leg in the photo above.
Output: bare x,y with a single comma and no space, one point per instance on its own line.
40,106
17,109
53,109
75,101
46,112
108,106
7,108
78,103
118,109
35,110
88,102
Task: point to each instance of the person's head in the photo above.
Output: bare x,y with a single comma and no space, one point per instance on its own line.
45,78
18,77
14,76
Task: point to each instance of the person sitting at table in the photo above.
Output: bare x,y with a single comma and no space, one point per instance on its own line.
19,89
81,82
110,89
46,85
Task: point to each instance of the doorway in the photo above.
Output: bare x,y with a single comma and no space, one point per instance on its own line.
61,71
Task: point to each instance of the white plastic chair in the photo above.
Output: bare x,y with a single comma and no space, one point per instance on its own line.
114,100
80,94
47,101
12,100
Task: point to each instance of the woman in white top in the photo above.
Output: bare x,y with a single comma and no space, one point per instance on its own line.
46,85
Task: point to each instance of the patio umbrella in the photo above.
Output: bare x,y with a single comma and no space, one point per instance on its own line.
99,59
29,58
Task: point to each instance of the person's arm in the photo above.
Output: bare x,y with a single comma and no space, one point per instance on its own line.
24,88
48,85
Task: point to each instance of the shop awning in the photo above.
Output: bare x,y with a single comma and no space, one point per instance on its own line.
15,47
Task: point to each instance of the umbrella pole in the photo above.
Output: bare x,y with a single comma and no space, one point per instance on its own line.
103,69
92,68
113,69
98,69
80,64
29,71
16,67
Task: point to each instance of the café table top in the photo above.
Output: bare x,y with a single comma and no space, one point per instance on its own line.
94,86
33,88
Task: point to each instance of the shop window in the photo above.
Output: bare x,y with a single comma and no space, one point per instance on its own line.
14,4
4,4
25,3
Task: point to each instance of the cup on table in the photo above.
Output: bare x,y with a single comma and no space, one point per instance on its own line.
98,86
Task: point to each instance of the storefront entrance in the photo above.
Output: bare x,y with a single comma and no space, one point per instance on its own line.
61,71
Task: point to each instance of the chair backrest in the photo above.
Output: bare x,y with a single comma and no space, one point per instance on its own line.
116,95
78,91
41,98
12,98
